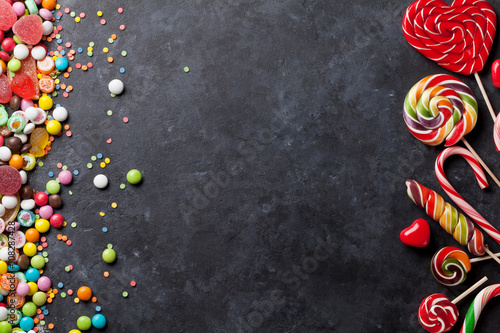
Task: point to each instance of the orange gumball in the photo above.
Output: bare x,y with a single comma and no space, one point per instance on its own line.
3,66
84,293
32,235
49,4
16,161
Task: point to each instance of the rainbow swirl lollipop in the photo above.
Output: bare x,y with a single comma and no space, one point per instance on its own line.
450,266
440,108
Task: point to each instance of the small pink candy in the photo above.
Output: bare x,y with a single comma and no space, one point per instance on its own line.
65,177
19,8
38,2
26,103
43,283
23,289
45,14
46,212
12,226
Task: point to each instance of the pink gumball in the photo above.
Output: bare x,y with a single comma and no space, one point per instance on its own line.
65,177
43,283
26,103
23,289
46,212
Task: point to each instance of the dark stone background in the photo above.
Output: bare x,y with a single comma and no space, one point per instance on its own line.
273,192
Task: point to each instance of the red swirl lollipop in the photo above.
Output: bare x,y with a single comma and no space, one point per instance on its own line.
457,37
437,314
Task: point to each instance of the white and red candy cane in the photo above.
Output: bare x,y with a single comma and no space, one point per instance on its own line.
477,306
496,133
455,196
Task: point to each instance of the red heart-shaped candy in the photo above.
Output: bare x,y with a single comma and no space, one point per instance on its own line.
458,36
418,234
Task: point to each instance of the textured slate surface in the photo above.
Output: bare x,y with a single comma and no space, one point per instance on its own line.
273,192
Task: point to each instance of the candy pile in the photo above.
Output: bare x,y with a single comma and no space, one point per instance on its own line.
31,78
441,108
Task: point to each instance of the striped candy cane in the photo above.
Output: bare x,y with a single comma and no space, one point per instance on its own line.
457,198
477,306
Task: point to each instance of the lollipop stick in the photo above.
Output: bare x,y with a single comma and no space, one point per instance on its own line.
491,254
495,179
473,260
468,291
486,99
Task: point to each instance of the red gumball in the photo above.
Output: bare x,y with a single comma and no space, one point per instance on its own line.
8,44
41,199
495,73
4,56
2,35
56,220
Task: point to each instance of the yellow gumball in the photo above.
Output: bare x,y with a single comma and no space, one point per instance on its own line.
54,127
45,102
42,225
75,331
30,249
3,267
33,288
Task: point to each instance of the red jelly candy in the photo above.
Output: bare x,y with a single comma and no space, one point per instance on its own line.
7,16
28,67
5,90
495,73
10,179
23,86
29,29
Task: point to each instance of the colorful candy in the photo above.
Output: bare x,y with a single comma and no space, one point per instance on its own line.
457,37
455,196
483,297
454,222
450,266
440,108
418,234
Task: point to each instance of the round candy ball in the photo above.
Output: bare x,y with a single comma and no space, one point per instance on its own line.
22,289
134,176
100,181
45,102
61,63
84,323
41,199
46,212
4,313
109,255
27,323
75,331
60,113
84,293
14,65
116,86
38,52
57,220
53,187
65,177
43,283
30,250
37,261
39,298
99,321
29,309
42,225
54,127
21,51
9,201
5,327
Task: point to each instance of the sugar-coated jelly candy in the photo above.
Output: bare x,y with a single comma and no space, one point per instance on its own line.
7,16
23,86
29,29
5,89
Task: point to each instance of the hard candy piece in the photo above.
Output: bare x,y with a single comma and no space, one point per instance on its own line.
23,86
5,90
29,29
418,234
8,16
10,180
